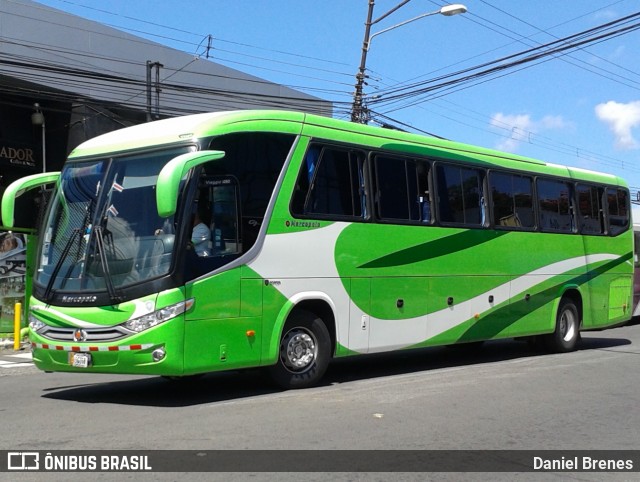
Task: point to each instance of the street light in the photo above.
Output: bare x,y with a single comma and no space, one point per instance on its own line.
358,113
37,119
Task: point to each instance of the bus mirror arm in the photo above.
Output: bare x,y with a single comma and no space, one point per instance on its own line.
19,187
171,175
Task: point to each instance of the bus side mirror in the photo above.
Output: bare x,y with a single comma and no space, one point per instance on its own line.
17,189
171,175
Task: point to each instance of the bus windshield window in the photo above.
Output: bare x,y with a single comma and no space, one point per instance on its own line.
114,198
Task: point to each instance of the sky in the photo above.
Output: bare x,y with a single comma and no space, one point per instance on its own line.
579,106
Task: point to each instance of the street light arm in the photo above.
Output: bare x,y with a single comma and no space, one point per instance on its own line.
447,11
400,25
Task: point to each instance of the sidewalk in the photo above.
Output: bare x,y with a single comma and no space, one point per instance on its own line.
6,346
10,358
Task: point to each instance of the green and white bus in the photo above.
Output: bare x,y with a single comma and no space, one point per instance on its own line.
327,239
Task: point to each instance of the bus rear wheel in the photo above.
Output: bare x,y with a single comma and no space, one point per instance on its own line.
567,332
305,349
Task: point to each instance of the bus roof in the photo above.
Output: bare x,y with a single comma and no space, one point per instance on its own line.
174,130
185,128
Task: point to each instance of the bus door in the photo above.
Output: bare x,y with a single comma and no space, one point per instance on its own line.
216,331
611,293
621,286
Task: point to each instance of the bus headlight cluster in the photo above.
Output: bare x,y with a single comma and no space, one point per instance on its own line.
157,317
35,324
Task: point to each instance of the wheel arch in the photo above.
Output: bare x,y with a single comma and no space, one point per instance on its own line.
316,302
574,294
568,316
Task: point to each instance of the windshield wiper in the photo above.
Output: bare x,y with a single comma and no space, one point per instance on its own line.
115,297
54,274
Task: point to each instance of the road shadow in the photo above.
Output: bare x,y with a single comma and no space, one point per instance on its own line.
413,361
634,321
241,384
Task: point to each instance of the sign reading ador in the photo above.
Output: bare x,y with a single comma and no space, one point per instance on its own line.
22,156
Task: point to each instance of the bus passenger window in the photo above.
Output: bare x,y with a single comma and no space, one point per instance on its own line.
402,189
590,206
332,185
512,200
556,206
618,204
304,179
460,195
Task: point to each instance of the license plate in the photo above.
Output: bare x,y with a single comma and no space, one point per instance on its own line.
80,360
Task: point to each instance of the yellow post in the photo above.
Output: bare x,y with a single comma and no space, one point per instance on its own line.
16,326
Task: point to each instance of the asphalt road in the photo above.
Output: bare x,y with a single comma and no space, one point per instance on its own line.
503,397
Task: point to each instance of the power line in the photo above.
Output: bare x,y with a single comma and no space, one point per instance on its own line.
167,27
535,54
69,57
79,79
194,46
565,56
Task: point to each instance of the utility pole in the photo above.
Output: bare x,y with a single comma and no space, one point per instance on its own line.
150,66
359,113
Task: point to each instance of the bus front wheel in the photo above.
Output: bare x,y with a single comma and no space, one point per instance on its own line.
304,352
567,332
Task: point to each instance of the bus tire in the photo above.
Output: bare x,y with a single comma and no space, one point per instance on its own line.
567,332
304,352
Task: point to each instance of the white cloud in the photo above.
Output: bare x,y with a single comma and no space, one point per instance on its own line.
605,15
521,128
552,122
618,52
621,119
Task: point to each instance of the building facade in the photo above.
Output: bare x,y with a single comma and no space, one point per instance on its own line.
82,79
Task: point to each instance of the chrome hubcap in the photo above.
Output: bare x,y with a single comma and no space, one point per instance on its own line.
299,350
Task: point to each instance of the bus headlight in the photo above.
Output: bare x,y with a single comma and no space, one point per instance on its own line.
35,324
157,317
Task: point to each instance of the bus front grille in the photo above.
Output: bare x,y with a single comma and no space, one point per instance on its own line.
85,334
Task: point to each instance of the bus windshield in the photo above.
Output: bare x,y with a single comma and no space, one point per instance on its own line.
103,232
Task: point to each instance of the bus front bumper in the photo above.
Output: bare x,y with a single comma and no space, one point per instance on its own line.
125,358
